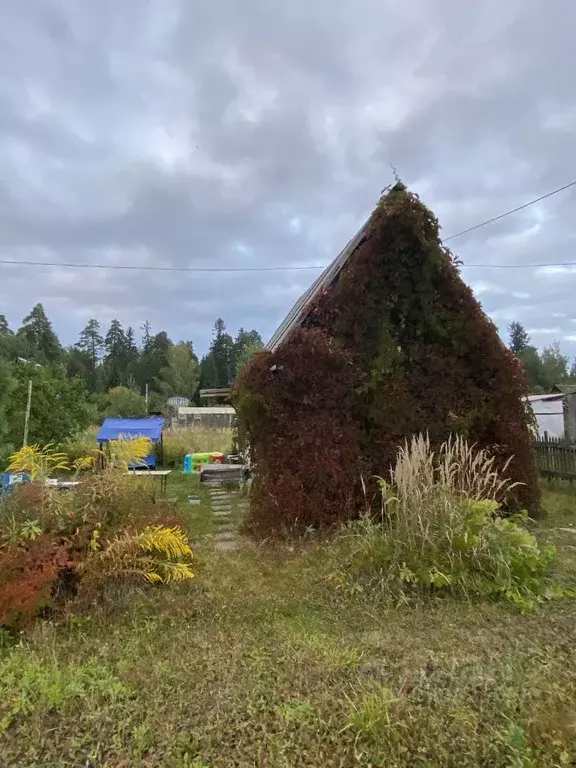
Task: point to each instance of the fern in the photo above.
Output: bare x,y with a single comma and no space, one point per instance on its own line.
151,554
171,542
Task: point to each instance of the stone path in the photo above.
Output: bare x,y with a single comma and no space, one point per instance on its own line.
223,503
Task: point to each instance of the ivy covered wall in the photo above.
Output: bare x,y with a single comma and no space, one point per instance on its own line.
397,345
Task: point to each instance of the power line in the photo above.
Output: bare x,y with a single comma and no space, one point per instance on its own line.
509,213
220,270
157,269
522,266
147,268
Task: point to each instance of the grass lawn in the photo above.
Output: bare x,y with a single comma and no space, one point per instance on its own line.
261,661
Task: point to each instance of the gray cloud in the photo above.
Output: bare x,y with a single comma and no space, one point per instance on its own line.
260,134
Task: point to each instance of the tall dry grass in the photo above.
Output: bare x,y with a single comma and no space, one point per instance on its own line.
441,528
179,442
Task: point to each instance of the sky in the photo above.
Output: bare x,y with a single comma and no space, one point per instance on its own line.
260,134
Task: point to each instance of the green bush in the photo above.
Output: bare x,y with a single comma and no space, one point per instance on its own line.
440,530
82,444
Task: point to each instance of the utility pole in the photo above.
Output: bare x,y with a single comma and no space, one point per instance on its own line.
146,396
28,407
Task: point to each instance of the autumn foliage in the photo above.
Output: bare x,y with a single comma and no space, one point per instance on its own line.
58,546
397,345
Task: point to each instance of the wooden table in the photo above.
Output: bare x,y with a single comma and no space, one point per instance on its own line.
160,473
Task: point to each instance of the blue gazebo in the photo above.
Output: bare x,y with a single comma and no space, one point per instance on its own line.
130,429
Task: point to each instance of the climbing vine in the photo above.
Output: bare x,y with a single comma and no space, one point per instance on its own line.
397,345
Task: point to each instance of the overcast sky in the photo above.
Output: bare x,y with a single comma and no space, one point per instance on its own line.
260,133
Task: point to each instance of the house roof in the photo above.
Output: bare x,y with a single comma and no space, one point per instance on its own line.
206,394
111,429
565,389
300,310
202,410
538,398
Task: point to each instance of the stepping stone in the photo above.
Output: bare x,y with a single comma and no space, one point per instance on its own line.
226,546
222,513
222,506
225,536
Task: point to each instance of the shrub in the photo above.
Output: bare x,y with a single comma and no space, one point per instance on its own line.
112,501
53,543
440,529
396,344
29,574
82,444
123,403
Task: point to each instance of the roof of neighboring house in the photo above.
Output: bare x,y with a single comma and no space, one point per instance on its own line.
565,389
202,410
112,429
537,398
300,310
218,392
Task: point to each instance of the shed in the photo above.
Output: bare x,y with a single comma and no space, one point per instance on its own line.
548,411
130,429
211,417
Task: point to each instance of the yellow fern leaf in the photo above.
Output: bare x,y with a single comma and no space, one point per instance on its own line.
175,572
172,542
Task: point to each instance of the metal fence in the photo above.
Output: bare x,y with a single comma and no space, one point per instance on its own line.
556,458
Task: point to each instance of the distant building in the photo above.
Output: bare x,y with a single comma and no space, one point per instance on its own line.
177,402
555,414
221,416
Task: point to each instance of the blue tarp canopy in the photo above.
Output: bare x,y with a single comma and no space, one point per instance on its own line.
112,429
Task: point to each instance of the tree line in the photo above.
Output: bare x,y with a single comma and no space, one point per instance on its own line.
106,372
543,369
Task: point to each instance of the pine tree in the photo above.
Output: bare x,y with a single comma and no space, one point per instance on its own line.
115,345
222,350
153,359
208,372
132,358
519,338
91,343
146,329
40,343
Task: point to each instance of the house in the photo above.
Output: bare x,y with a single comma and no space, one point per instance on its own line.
386,343
555,412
